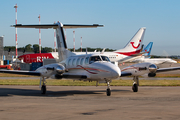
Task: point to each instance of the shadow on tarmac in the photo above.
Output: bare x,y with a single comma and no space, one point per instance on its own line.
30,92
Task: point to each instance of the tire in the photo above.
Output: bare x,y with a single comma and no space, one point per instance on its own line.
135,88
108,92
43,89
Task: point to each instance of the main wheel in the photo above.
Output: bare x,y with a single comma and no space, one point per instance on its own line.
43,89
135,88
108,92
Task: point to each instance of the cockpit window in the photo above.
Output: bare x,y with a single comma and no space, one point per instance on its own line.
94,58
105,58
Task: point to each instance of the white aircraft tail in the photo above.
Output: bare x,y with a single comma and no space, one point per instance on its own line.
61,43
134,45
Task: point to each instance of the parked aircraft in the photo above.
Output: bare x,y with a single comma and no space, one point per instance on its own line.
130,52
156,61
90,67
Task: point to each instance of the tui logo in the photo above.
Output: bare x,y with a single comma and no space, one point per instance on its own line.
135,47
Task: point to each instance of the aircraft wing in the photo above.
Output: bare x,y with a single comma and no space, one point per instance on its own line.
167,69
34,73
131,57
74,76
54,26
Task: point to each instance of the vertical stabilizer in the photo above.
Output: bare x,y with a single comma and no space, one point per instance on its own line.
61,43
148,49
134,45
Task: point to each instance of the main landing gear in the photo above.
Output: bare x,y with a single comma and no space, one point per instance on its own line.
135,84
108,92
43,87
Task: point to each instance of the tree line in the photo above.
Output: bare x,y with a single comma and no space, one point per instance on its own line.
35,48
29,48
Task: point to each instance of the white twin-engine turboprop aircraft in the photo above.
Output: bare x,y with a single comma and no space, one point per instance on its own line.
88,67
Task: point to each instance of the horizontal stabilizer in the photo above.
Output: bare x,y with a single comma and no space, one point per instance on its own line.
54,26
131,57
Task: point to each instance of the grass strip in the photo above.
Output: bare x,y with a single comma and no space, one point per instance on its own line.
86,83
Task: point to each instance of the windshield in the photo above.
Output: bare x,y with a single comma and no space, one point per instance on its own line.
94,58
105,58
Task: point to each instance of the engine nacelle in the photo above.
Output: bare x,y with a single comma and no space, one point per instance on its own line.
152,70
60,69
151,74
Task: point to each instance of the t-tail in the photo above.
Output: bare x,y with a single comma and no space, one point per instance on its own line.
134,45
148,50
61,43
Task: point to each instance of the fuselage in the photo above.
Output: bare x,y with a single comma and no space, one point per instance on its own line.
156,60
95,66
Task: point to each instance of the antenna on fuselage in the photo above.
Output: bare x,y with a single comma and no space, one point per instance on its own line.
103,51
86,50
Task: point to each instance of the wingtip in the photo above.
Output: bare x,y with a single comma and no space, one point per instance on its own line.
98,25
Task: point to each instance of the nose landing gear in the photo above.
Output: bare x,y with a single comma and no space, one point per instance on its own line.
43,87
135,84
108,92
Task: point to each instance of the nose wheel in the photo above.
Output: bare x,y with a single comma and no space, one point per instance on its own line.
135,87
43,89
108,91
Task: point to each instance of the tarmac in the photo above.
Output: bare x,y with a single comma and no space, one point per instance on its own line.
88,103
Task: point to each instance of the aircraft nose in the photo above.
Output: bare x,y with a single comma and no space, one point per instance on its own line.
115,72
174,61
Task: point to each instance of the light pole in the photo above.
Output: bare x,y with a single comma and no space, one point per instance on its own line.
15,6
39,36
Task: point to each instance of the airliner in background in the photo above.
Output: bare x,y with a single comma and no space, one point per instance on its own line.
130,52
157,61
88,67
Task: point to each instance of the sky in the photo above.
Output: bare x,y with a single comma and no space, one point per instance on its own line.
121,20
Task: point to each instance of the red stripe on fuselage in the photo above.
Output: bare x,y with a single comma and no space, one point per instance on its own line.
129,53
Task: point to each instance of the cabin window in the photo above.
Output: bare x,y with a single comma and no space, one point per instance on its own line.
105,58
77,62
69,62
73,62
82,59
87,60
94,59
